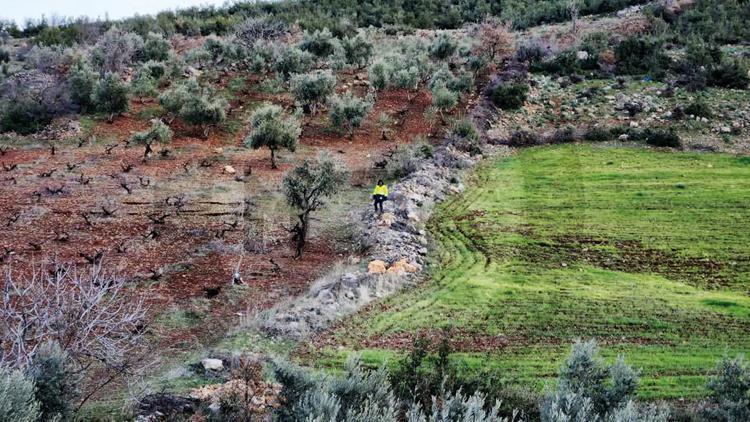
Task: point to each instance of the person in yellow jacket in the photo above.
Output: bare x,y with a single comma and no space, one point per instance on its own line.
380,195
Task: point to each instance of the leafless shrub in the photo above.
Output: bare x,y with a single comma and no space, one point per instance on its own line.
87,312
259,28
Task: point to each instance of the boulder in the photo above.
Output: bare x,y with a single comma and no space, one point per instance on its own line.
229,169
376,267
212,364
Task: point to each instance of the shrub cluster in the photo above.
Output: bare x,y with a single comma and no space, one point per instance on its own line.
509,96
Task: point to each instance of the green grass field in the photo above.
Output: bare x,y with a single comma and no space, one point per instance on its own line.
646,251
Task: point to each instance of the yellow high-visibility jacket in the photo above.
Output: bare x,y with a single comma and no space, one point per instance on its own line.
380,190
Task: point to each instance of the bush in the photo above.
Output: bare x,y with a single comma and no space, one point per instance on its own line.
509,96
464,128
348,111
17,400
30,101
269,128
639,55
173,99
597,134
115,50
406,78
523,138
156,70
259,28
443,99
444,77
662,138
55,380
589,389
52,60
155,48
293,60
312,89
730,391
443,47
699,108
564,135
357,50
405,160
355,395
320,43
728,74
379,75
110,95
143,85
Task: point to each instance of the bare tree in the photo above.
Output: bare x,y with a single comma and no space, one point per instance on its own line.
574,9
89,313
259,28
496,40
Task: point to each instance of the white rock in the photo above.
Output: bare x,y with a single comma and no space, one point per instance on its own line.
229,169
582,55
212,364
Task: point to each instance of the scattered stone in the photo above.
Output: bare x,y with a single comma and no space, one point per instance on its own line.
387,218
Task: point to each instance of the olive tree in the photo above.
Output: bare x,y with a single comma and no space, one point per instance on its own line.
348,111
155,47
175,97
143,85
312,89
406,78
305,189
17,401
158,133
730,391
321,42
293,60
270,128
195,105
357,50
589,389
82,80
204,111
111,95
56,380
443,99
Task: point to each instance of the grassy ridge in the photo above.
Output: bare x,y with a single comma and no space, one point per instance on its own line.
643,250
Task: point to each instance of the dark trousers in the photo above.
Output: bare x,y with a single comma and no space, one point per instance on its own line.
378,201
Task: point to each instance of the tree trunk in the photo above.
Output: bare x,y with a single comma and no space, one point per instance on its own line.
273,159
148,151
304,220
206,130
